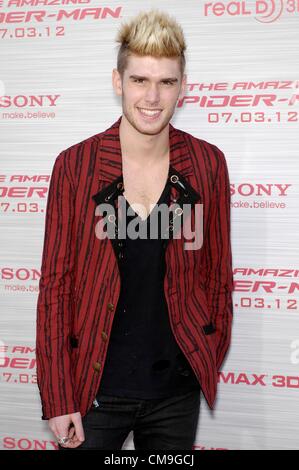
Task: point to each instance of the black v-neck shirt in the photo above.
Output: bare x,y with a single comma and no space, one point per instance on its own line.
143,358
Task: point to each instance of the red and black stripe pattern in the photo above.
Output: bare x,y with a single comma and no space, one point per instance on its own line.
80,284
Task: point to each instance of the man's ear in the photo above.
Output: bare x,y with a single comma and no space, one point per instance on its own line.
117,82
183,87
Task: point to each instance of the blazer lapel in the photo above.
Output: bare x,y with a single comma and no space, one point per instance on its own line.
110,167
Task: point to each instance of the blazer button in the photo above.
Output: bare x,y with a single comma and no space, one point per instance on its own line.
104,336
110,306
97,366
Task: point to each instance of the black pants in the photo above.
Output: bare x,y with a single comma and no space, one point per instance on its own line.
167,423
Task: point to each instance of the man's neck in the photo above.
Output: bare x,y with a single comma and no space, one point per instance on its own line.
140,148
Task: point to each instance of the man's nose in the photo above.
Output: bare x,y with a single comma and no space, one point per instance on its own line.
152,94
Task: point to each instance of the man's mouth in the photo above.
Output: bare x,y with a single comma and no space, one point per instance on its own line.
152,113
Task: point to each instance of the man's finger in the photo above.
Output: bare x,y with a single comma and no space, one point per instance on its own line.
71,432
79,428
62,431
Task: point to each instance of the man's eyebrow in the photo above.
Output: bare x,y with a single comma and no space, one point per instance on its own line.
167,79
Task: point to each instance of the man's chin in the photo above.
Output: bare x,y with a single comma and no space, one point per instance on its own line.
151,128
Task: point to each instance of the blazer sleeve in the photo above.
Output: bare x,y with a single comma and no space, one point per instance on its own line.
54,304
218,259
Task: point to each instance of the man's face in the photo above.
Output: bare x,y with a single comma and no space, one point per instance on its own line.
149,89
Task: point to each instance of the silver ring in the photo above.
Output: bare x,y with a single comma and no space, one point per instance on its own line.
178,211
174,178
111,217
63,440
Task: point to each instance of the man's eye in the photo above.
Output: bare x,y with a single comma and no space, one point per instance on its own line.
167,82
138,80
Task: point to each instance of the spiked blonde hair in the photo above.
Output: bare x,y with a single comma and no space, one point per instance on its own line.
151,33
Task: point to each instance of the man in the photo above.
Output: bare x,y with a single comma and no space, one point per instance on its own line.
130,330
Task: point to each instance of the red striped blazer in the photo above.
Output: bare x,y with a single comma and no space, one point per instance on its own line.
80,283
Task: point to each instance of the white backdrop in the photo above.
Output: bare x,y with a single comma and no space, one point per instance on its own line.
243,94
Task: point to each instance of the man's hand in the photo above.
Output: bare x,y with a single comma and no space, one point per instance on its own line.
60,426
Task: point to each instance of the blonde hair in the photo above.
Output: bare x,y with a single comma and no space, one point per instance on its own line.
151,33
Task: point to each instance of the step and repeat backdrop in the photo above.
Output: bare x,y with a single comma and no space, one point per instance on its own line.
56,61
